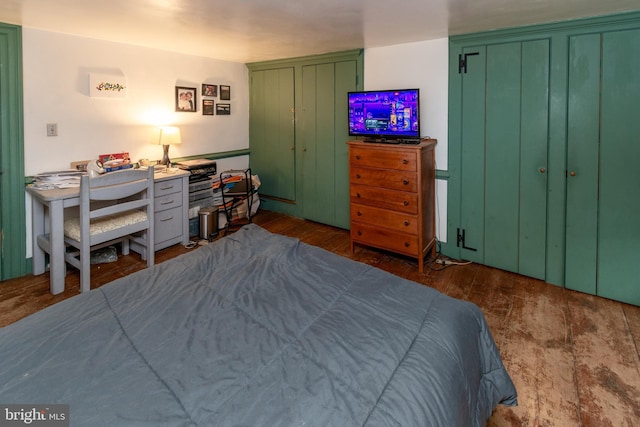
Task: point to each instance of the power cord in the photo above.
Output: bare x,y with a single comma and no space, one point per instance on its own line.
440,262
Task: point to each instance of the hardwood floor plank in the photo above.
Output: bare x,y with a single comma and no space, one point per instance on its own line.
606,362
537,351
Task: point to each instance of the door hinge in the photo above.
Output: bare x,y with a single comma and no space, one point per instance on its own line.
461,240
462,61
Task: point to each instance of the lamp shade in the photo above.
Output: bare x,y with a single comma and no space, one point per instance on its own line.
166,136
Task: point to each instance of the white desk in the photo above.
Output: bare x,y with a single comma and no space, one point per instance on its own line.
48,218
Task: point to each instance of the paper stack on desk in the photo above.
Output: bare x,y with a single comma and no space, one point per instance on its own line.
57,179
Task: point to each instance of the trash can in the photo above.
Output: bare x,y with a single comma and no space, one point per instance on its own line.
208,222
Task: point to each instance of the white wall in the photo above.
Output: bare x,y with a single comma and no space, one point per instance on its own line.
56,90
56,71
422,65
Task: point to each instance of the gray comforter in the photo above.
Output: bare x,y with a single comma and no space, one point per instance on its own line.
258,330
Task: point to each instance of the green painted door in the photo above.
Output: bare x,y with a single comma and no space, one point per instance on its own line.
505,107
583,120
603,180
322,135
619,221
12,195
272,131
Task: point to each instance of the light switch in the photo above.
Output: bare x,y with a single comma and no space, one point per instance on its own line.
52,129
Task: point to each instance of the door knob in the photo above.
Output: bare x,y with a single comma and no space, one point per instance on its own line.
542,170
572,173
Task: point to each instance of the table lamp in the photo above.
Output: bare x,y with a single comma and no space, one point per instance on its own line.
166,136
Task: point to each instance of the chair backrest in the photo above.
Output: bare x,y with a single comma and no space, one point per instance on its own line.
114,194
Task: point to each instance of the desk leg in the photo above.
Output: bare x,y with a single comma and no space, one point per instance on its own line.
37,220
56,236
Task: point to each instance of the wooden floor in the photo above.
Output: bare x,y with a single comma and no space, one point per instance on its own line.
574,358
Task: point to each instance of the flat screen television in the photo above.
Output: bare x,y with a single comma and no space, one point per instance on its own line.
385,115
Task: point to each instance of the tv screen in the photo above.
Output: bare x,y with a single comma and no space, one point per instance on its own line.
385,114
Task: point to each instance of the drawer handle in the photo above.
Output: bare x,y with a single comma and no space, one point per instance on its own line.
405,161
357,176
406,203
405,181
407,244
358,195
406,223
167,188
358,157
167,202
166,219
359,233
359,213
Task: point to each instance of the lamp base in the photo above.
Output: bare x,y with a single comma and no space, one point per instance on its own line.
165,157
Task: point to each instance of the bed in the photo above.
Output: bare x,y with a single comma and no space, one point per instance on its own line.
258,329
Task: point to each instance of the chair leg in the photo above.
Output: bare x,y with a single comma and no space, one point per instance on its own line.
150,250
125,246
85,269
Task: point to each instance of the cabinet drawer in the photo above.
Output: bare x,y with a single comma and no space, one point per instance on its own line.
401,201
168,224
384,159
399,221
167,186
384,238
395,180
167,201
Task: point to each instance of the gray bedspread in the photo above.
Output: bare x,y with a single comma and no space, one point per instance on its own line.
258,330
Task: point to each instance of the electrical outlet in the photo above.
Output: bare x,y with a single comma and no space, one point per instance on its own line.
52,129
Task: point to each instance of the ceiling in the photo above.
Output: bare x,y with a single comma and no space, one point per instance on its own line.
257,30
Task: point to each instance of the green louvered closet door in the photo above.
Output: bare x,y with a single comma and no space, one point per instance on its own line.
323,135
272,131
603,165
504,134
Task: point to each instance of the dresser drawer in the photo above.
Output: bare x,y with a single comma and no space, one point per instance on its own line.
395,180
167,186
384,159
168,224
399,221
401,201
384,238
167,201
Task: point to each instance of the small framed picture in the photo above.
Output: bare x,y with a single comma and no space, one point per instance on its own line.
223,109
225,93
186,99
209,90
207,107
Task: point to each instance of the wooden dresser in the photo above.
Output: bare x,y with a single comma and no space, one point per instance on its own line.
392,197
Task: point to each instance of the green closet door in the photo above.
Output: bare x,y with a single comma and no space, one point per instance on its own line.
472,155
583,132
272,131
322,134
619,208
505,109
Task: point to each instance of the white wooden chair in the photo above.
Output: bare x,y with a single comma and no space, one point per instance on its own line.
116,206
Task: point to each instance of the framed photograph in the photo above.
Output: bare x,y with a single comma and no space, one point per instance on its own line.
207,107
225,93
186,99
223,109
209,90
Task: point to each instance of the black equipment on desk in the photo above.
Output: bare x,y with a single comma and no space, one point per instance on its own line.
200,188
